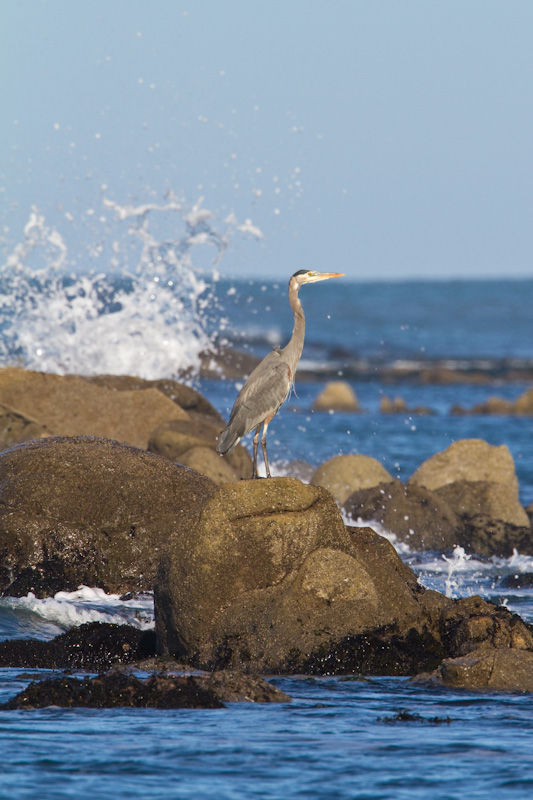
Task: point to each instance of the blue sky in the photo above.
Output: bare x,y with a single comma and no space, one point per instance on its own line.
383,139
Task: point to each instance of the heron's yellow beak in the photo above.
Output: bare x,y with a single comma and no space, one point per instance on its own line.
323,276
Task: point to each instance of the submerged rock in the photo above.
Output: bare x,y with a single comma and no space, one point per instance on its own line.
90,511
343,475
118,690
115,690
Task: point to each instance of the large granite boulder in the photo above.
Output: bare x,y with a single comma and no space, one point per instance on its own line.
344,475
468,460
88,510
192,442
417,516
72,406
269,574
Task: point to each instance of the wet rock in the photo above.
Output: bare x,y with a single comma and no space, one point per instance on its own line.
337,396
230,686
94,646
119,690
72,406
503,670
494,537
494,500
468,460
443,629
115,690
90,511
270,574
471,623
182,440
269,580
493,405
417,516
343,475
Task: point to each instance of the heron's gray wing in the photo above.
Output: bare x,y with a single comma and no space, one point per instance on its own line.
262,395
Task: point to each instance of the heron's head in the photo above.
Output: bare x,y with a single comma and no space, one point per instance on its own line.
310,276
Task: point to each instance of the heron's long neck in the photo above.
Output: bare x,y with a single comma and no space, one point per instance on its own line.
293,350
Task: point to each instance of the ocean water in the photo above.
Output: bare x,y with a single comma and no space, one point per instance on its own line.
144,306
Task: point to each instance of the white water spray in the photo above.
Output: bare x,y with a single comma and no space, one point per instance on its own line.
138,306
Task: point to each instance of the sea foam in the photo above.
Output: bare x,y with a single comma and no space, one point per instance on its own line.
53,615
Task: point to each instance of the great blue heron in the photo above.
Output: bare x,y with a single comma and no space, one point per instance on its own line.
269,384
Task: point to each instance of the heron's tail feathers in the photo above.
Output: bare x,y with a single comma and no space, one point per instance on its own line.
227,440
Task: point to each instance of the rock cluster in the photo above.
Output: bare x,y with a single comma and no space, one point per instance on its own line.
467,496
248,575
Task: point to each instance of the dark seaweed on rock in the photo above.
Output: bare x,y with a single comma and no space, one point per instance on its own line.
94,646
115,690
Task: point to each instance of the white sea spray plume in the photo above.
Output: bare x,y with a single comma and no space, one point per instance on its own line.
139,305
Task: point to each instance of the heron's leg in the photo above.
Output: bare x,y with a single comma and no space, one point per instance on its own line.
256,442
264,446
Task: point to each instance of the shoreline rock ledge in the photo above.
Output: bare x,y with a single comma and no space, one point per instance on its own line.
269,580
